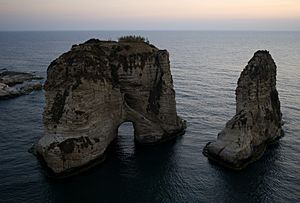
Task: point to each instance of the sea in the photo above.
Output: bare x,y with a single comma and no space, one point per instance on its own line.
205,66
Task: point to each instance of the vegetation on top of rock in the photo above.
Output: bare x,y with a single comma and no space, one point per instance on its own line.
133,38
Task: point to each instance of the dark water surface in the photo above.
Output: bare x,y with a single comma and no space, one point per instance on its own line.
205,68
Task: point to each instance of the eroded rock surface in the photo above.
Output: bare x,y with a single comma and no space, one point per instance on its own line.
95,87
257,122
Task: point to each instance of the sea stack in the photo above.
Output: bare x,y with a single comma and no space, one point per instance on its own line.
94,88
257,122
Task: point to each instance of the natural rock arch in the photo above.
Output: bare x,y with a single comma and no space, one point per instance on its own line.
97,86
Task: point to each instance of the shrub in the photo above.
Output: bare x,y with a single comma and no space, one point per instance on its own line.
133,38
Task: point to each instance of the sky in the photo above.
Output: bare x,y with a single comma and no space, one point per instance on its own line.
150,15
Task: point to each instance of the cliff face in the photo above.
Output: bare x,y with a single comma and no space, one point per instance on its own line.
257,122
95,87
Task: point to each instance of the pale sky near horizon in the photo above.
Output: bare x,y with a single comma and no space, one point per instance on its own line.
150,15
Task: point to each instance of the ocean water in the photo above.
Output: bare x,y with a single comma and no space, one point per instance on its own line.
205,68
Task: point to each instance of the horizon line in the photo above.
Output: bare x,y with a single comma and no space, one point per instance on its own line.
148,30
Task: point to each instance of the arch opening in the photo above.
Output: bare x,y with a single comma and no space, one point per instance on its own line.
125,138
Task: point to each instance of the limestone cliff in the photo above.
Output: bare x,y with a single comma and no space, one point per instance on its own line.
258,117
95,87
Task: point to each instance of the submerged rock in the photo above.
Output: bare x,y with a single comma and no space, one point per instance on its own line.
94,88
9,80
257,122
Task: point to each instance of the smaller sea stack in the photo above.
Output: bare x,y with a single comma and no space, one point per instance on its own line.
258,119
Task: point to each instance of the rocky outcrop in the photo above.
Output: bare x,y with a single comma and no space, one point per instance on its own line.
13,84
12,78
257,122
7,92
95,87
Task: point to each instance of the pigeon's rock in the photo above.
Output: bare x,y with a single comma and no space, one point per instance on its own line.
257,122
94,88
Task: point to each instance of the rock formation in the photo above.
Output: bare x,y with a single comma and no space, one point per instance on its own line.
95,87
257,122
10,79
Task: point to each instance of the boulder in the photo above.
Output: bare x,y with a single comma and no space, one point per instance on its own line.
258,119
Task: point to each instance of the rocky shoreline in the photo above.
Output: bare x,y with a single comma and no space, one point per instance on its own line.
14,84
